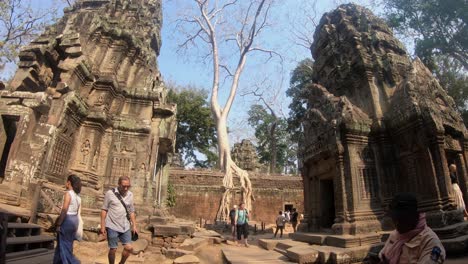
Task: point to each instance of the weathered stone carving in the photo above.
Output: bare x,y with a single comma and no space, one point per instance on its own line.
377,123
88,98
245,155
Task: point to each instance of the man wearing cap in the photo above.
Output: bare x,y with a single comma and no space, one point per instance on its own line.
412,241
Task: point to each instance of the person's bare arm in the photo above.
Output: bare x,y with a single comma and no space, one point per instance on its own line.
133,219
64,210
103,221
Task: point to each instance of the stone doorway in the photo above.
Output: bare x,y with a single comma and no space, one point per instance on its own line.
327,203
10,124
288,207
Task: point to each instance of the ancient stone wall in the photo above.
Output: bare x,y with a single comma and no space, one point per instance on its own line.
198,194
88,98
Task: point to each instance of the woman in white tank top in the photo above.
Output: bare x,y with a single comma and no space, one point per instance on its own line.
67,222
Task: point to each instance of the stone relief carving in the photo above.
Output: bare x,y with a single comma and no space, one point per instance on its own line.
85,149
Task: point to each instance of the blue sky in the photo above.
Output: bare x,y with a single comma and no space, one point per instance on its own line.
287,17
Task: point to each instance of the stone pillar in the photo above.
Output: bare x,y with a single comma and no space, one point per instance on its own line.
304,223
339,186
442,171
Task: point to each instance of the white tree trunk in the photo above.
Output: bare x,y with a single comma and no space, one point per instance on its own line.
230,170
251,26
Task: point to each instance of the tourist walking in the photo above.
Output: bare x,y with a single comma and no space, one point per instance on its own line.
456,190
280,222
232,218
118,219
294,217
242,224
412,241
67,223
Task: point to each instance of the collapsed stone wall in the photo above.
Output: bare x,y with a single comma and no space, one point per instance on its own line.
198,194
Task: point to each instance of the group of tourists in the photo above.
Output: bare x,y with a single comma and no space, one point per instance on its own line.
412,241
118,222
286,217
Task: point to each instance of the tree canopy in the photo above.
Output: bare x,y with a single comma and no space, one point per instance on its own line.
301,76
440,33
438,26
284,150
196,131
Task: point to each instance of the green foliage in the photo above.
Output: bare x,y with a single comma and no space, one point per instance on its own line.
440,32
439,26
261,120
196,130
301,76
171,196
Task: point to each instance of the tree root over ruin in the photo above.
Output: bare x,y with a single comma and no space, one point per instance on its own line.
227,202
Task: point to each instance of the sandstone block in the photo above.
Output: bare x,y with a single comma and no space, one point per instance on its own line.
194,244
457,245
308,238
268,244
187,259
179,239
167,230
206,233
139,246
302,254
173,253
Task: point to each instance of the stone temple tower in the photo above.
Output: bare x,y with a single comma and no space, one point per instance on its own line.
378,123
88,99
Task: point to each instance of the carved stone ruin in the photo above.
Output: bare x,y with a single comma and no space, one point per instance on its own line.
88,99
378,123
245,156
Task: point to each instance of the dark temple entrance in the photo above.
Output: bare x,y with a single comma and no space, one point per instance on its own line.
10,124
327,203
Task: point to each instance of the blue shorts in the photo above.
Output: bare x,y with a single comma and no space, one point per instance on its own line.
113,237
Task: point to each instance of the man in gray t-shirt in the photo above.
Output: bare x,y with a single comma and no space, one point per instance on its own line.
114,220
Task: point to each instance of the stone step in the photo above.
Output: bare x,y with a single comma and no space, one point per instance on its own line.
317,239
280,250
251,255
452,231
172,230
302,254
48,240
348,241
23,229
160,220
8,195
9,199
25,253
287,243
268,244
36,256
456,246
